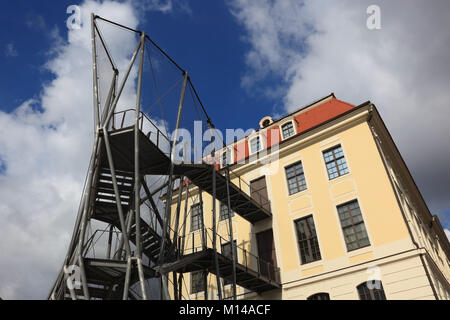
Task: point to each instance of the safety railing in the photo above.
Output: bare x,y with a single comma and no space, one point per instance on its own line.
126,118
243,186
259,198
104,244
202,239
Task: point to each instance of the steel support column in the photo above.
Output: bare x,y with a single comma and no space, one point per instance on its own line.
170,185
122,85
230,224
214,241
137,174
95,76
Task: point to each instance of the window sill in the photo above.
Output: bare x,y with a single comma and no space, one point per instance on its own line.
196,231
287,138
362,250
337,178
311,264
254,153
197,295
297,194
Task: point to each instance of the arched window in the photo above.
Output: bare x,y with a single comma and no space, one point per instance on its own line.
371,290
319,296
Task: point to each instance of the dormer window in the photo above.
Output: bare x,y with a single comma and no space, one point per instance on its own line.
255,145
288,130
266,123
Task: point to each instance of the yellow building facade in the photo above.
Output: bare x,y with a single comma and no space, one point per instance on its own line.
348,221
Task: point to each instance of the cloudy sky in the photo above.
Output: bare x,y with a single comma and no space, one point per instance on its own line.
255,57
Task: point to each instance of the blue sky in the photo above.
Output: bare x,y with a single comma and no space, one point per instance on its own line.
247,59
231,56
204,39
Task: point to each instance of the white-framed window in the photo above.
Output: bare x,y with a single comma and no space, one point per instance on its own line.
227,157
335,162
224,213
196,217
295,178
288,130
307,240
353,226
255,145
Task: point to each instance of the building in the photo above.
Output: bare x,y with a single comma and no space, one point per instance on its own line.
348,221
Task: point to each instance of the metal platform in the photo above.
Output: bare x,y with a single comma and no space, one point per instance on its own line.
104,278
247,207
254,278
152,160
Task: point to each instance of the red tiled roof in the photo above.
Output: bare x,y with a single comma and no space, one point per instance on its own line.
305,120
321,113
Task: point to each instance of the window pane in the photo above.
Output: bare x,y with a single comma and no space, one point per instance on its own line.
227,157
307,240
295,178
353,227
374,292
363,291
288,130
338,152
224,211
226,250
335,162
319,296
196,217
255,145
197,282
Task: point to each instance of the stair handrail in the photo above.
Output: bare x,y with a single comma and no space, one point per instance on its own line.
249,260
261,200
143,121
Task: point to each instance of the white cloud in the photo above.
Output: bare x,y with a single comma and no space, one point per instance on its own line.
35,21
158,5
447,233
163,6
45,146
10,50
315,47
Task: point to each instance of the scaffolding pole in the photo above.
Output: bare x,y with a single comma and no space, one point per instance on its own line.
170,185
183,238
214,244
230,223
137,174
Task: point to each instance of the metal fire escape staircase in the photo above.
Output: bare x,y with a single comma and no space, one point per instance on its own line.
105,210
112,196
155,162
105,277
